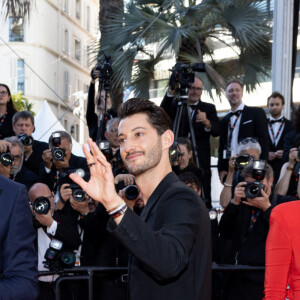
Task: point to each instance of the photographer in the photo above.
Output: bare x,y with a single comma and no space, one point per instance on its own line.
18,171
50,225
248,149
244,227
205,123
288,183
6,158
23,126
91,116
58,159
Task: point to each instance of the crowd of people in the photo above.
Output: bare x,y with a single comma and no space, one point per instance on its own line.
144,200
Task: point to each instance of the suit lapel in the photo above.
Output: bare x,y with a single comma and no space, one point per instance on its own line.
156,195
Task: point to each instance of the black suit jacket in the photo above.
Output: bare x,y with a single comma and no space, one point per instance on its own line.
276,164
18,258
253,124
202,137
170,245
26,177
34,160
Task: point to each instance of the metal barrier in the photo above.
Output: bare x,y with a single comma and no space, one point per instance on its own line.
87,273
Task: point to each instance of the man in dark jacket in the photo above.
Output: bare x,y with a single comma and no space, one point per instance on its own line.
205,124
169,242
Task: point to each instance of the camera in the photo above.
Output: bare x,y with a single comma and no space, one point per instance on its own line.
57,152
242,161
131,192
184,74
106,72
6,159
26,140
41,205
252,189
56,258
78,193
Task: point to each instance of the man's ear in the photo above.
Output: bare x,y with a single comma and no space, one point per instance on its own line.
167,139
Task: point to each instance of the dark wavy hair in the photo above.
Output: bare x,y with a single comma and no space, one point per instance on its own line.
10,105
156,115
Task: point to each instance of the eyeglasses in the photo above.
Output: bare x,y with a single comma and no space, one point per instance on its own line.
192,88
3,93
248,139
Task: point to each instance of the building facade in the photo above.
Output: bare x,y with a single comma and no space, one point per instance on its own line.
49,56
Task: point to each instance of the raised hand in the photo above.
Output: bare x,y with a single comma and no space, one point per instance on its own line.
101,186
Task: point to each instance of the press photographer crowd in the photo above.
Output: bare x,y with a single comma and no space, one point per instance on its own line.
141,198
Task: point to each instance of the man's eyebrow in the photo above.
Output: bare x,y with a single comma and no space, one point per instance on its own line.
134,129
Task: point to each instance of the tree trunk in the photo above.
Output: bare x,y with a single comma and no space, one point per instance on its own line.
107,7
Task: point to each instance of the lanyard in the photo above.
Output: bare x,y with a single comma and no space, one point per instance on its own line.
277,134
231,128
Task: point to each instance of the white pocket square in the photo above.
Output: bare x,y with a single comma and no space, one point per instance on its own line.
249,121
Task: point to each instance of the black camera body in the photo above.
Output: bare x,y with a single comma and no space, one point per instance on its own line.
57,152
41,205
26,140
106,72
242,161
253,189
184,74
6,158
78,193
56,258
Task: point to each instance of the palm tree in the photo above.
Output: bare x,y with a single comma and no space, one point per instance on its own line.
17,8
191,32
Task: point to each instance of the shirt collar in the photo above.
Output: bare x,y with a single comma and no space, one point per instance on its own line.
273,119
241,107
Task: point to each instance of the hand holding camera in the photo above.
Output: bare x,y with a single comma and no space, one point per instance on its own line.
81,206
294,157
41,210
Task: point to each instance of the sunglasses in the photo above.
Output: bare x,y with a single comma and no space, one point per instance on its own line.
248,140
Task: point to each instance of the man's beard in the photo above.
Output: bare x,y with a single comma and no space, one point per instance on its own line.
152,159
15,170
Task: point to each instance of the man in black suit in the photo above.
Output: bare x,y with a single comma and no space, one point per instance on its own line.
18,171
18,258
205,123
51,168
52,225
169,242
278,126
23,123
241,122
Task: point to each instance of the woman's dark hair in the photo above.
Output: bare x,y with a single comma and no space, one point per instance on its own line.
186,142
10,105
156,115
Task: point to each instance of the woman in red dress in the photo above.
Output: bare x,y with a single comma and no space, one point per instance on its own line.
282,276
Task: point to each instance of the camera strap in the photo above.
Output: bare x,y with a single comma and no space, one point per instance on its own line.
278,131
231,128
254,217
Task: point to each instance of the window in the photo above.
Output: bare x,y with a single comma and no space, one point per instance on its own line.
77,49
77,132
21,77
87,17
66,124
78,9
66,85
87,56
65,6
77,84
16,30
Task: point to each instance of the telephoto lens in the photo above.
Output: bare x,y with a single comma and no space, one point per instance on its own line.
252,189
25,139
41,205
78,193
132,192
6,159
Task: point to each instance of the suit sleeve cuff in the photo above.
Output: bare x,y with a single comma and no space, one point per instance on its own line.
52,229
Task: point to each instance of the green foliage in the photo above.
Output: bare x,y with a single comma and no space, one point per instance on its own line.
191,33
22,103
